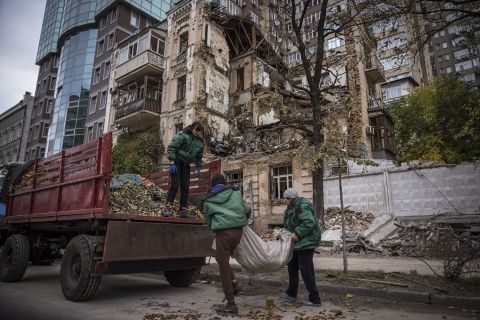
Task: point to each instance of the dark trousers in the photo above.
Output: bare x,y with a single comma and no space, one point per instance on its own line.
302,260
182,178
226,242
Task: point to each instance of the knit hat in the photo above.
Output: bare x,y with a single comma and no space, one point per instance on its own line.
290,193
218,178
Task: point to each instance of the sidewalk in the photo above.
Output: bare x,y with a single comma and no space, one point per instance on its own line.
280,279
385,264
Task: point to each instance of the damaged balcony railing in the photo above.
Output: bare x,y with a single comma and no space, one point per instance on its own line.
374,69
227,5
376,104
142,104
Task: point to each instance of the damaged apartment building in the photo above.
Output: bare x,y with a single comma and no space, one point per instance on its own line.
224,63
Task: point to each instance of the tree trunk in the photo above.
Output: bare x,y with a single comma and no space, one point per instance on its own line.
317,178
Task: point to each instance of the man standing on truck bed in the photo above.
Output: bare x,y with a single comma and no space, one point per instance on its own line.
186,148
226,214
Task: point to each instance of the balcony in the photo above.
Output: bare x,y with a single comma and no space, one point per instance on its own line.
227,6
140,113
145,63
374,69
376,104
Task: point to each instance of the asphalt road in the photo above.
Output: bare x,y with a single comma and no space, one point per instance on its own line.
39,297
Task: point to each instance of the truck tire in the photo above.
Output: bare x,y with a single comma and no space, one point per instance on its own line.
14,258
182,278
76,272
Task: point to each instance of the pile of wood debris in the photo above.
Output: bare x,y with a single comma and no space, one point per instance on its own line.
147,199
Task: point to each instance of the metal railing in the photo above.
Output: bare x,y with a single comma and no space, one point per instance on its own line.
231,7
376,104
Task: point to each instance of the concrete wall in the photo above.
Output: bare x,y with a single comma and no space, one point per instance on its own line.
410,192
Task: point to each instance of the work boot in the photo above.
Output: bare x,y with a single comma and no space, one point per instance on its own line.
311,304
184,214
229,308
168,212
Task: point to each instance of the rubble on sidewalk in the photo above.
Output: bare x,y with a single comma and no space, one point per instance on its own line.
147,199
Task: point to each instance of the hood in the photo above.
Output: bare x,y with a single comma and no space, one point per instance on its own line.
220,196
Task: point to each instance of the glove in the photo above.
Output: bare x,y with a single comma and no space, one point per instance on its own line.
173,168
197,171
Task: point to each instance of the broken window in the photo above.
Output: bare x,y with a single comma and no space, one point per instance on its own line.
281,180
181,87
183,43
178,127
235,179
240,82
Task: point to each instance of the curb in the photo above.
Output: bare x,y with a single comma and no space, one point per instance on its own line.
395,295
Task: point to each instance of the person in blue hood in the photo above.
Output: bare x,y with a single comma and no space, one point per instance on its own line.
226,213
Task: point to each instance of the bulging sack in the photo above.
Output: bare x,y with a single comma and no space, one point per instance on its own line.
258,256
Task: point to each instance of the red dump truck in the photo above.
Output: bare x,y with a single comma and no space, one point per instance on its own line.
63,213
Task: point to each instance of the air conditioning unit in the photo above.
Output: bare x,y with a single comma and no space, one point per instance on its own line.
370,130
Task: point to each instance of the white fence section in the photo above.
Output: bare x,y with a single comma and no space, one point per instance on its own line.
404,191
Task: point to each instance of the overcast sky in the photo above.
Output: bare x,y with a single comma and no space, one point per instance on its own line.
20,26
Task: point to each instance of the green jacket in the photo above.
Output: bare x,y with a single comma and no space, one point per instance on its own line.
303,223
225,209
185,148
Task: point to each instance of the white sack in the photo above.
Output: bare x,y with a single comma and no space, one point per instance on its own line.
258,256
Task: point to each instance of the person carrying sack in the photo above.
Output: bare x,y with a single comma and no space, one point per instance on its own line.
300,219
185,148
226,213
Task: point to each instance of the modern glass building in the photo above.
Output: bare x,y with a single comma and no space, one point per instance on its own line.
52,23
73,89
155,8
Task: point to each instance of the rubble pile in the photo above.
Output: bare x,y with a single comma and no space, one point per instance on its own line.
270,234
355,221
417,240
147,199
26,180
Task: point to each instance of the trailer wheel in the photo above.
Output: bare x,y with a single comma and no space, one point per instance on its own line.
14,258
76,272
182,278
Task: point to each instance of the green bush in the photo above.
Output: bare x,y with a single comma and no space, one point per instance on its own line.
137,152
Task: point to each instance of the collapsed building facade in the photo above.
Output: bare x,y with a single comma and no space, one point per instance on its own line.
225,64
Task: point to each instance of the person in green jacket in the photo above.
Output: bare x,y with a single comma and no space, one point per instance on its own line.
226,213
301,221
185,148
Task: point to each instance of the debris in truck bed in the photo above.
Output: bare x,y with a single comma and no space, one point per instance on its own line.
147,199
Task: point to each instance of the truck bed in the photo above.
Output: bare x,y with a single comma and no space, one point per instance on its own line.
70,186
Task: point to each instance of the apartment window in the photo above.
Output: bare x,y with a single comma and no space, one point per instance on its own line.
97,75
30,134
442,45
392,92
148,23
183,43
181,87
55,61
281,180
99,129
235,179
391,42
42,152
123,56
110,40
469,77
335,43
448,70
143,44
103,22
240,79
44,85
106,70
93,105
396,61
466,65
157,45
462,54
439,34
35,132
458,41
134,19
45,130
53,80
100,47
40,108
178,127
132,50
103,100
113,15
49,108
90,133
